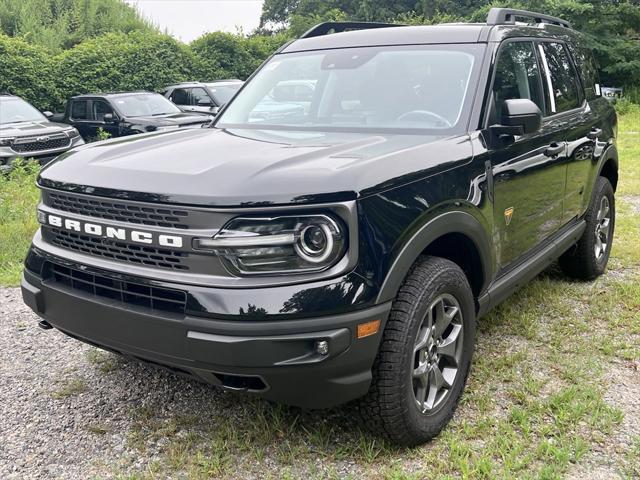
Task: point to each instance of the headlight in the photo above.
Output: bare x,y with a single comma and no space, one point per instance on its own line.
285,244
72,132
6,141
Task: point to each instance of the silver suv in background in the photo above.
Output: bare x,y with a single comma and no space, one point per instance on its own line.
26,132
203,97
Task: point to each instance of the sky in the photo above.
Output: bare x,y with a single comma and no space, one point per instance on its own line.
188,19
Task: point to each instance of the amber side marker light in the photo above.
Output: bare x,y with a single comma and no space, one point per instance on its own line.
368,329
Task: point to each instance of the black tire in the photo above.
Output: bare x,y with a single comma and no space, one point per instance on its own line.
390,408
581,261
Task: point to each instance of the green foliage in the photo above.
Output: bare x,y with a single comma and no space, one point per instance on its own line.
26,70
59,24
612,28
625,106
118,62
18,199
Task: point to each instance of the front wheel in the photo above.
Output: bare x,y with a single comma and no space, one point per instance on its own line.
588,258
425,355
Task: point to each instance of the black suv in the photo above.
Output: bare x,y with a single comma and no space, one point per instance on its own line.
27,133
126,113
205,97
346,250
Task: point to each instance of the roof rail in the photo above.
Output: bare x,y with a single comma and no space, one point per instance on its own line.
339,27
502,16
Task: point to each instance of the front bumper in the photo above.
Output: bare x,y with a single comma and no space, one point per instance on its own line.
276,359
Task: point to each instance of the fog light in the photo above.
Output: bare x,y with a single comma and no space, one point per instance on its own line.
322,347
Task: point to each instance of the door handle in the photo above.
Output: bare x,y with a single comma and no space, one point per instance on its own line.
594,133
554,149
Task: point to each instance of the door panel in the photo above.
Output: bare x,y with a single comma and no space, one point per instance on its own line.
529,170
528,186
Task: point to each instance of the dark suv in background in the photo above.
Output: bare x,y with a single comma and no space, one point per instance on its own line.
343,249
27,133
126,113
203,97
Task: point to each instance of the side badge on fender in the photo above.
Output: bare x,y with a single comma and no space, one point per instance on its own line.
508,215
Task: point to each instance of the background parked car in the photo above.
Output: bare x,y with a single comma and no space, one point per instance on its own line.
25,132
127,113
206,97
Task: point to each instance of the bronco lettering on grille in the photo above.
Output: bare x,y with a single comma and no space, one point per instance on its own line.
115,233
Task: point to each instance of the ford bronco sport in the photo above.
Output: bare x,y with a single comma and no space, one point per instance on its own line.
344,250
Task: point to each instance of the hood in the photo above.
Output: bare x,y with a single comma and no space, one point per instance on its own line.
171,119
247,167
27,129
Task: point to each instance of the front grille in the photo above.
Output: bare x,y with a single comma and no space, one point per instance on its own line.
154,298
109,210
150,256
32,144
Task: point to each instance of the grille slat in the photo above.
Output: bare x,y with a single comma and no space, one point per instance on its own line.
151,297
150,256
33,145
159,217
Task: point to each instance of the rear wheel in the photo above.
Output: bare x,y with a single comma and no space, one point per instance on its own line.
425,354
588,258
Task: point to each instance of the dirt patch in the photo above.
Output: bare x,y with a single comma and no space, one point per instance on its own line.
610,458
634,201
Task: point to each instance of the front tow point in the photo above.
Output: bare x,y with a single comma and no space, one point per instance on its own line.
43,324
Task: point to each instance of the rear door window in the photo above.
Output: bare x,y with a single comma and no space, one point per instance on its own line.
563,86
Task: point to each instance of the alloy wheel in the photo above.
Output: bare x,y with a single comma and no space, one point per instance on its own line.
437,353
603,228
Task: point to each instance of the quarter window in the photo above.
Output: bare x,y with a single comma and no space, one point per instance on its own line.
563,88
517,76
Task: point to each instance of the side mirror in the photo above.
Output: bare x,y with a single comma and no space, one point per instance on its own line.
203,102
215,110
109,118
521,115
47,114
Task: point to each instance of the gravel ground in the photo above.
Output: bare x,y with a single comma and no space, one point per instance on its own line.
68,412
61,415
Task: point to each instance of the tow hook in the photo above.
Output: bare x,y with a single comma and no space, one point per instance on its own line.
43,324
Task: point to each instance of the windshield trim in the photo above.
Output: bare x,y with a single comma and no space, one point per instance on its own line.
440,132
461,127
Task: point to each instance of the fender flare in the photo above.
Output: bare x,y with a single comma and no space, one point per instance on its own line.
446,223
611,153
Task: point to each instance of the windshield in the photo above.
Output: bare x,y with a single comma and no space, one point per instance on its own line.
144,105
373,88
225,92
15,110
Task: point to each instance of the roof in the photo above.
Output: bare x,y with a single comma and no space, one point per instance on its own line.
112,94
213,82
501,23
400,35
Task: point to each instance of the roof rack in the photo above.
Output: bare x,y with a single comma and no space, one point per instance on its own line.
503,16
339,27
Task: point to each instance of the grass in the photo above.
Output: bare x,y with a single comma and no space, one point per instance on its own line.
534,406
69,388
18,199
